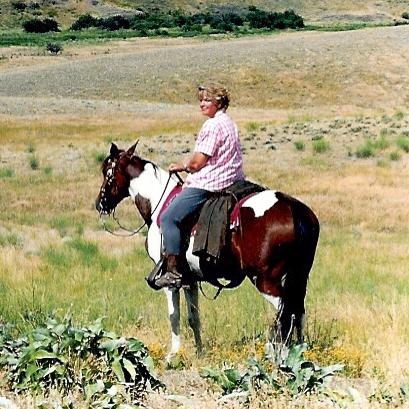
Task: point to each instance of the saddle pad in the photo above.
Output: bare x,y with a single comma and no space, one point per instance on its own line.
175,191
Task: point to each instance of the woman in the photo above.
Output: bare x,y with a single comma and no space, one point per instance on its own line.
215,164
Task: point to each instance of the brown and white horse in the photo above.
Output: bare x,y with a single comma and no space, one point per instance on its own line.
274,246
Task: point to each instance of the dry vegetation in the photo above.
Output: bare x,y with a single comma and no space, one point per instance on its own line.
306,104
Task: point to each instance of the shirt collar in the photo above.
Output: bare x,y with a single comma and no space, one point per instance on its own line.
219,112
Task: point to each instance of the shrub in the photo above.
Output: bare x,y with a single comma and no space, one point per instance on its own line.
40,26
11,240
365,151
33,162
83,22
320,146
54,48
48,170
299,145
19,5
263,19
295,376
31,148
403,143
252,126
225,21
405,15
107,369
394,156
382,142
100,157
114,23
6,173
218,23
399,115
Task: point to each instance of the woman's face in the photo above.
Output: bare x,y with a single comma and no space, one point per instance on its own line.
207,106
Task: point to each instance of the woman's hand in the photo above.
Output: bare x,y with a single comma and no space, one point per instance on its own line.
176,167
192,165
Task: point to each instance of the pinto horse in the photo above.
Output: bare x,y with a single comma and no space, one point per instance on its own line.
274,245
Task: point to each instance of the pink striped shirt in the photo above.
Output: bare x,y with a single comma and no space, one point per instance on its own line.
218,139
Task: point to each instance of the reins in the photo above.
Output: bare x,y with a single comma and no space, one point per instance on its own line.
215,282
133,232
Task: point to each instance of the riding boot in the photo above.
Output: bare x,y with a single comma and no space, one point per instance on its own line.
172,278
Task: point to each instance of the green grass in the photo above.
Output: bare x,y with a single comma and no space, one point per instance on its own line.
253,126
299,145
382,142
100,157
366,150
6,172
394,156
320,146
403,143
10,239
33,162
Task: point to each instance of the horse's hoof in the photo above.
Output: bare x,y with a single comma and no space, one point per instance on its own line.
276,352
174,361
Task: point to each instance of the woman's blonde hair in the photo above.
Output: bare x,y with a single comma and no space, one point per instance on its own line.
217,93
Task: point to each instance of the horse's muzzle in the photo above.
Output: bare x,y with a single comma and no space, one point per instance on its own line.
101,209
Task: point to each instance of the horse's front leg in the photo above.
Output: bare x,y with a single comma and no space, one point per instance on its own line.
192,304
173,298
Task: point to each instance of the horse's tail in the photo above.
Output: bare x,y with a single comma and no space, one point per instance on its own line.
306,229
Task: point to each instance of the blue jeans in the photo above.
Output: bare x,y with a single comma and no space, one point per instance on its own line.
184,207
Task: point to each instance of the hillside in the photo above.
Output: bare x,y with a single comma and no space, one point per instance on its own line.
13,12
312,73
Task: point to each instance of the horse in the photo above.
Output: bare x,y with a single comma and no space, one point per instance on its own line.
274,246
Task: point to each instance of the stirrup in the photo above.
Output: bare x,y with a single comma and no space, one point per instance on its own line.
169,279
152,277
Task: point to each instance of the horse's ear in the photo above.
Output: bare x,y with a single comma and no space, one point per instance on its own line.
114,152
131,150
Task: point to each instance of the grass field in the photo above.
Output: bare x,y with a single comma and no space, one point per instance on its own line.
343,153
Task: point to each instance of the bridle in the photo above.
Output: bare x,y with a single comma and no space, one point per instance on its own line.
109,179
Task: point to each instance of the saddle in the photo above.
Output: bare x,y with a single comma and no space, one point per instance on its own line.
217,215
212,233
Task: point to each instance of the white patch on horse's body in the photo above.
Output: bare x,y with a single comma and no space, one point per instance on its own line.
150,184
275,301
261,202
154,243
191,258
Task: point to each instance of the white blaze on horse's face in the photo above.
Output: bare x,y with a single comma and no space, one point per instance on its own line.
261,202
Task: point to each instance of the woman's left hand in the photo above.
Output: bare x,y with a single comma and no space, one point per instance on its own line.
176,167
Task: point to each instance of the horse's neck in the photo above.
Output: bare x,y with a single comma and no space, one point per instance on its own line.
152,185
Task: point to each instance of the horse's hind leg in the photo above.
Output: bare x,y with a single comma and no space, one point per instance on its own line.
192,303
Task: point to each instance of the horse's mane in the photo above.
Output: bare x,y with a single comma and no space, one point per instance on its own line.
144,162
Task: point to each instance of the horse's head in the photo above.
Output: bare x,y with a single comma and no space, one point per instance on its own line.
117,172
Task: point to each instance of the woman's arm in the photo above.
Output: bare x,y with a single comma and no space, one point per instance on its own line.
196,162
